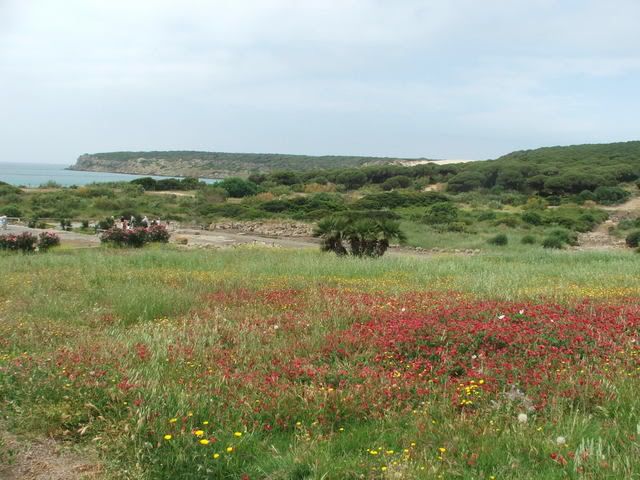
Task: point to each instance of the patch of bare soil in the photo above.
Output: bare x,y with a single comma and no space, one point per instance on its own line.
600,238
45,459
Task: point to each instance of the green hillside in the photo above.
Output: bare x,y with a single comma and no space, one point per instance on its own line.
553,170
218,164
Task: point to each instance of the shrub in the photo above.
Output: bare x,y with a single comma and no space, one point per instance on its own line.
399,181
364,235
532,218
565,236
47,240
237,187
394,199
528,240
442,212
486,215
610,195
35,223
105,224
553,242
11,211
136,237
633,239
501,240
352,179
24,242
508,221
65,223
158,233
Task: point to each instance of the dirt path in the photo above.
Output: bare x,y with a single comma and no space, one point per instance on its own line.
600,238
44,459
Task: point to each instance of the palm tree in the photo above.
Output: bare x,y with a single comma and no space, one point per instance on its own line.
367,234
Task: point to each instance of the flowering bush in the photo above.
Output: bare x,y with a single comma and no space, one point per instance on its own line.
25,242
135,237
158,233
46,240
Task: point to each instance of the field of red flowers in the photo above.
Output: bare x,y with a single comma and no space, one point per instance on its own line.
335,382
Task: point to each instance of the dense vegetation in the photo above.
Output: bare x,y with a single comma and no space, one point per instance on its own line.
533,194
208,164
546,171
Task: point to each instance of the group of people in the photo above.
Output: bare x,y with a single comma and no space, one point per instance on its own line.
129,223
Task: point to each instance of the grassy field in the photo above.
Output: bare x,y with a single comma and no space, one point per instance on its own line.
256,363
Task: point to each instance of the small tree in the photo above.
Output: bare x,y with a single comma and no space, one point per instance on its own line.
361,234
237,187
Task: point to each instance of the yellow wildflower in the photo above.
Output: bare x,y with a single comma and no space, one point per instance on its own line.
168,437
204,441
198,433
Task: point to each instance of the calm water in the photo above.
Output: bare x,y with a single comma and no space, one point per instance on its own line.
35,174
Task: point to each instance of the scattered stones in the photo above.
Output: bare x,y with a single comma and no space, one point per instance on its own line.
267,229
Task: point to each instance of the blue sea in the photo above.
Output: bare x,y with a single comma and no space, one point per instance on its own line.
36,174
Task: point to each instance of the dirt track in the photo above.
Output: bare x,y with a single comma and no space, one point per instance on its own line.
600,238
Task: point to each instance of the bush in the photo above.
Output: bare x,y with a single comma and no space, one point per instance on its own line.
486,215
35,223
633,239
395,199
364,235
12,211
106,224
501,240
528,240
439,213
47,240
237,187
610,195
158,233
135,237
24,242
565,236
532,218
511,221
65,224
553,242
399,181
352,179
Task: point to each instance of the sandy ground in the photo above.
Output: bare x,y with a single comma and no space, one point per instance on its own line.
600,239
44,459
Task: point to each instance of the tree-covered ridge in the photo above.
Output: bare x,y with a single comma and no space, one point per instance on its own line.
553,170
211,163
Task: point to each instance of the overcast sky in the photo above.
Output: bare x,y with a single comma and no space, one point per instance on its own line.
460,79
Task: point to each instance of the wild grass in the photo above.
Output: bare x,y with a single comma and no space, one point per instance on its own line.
105,347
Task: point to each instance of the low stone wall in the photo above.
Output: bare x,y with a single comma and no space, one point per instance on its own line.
267,229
